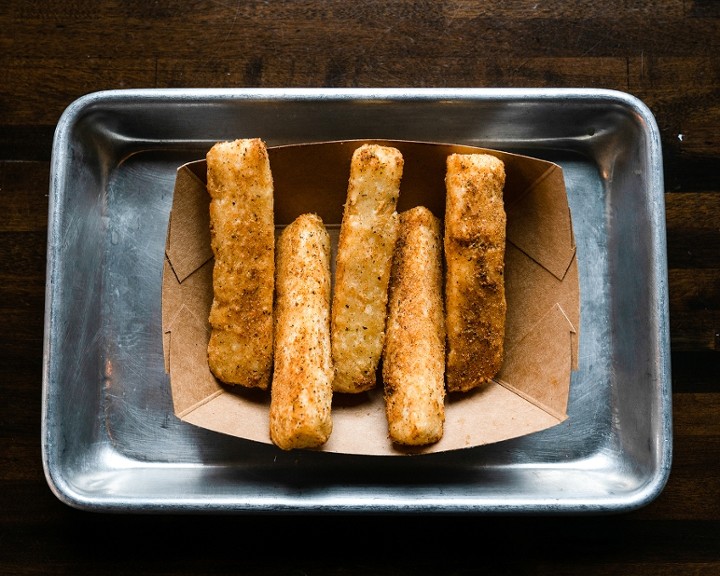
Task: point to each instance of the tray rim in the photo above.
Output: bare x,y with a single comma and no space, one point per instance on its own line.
63,490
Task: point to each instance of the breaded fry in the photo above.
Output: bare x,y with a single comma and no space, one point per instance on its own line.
414,354
301,392
474,241
242,235
367,237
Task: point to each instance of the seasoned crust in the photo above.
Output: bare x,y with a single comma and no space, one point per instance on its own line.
364,256
240,185
414,354
301,392
474,244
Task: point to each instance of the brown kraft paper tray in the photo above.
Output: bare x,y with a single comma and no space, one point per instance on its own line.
529,394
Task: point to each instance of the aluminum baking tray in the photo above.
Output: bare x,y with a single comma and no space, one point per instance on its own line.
110,440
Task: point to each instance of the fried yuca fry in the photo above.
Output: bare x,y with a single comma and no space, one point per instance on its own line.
364,255
414,354
474,243
301,391
240,185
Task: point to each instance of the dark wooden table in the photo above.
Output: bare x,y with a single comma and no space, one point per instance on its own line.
665,52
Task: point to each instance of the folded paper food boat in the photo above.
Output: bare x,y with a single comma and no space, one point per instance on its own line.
530,392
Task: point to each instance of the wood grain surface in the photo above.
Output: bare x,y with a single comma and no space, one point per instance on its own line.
665,52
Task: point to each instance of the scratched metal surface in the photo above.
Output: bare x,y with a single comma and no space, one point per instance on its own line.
110,440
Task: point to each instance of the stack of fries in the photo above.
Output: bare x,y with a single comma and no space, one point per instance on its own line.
417,301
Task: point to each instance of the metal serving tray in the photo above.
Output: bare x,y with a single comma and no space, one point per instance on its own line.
110,441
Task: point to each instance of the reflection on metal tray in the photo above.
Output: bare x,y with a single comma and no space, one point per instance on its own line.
110,440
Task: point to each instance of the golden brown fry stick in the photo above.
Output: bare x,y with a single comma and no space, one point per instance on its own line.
301,392
414,355
240,185
475,258
367,236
